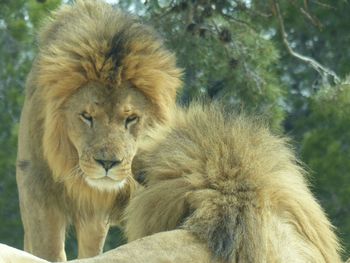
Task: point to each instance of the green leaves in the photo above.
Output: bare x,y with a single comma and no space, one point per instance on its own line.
17,46
37,10
223,56
326,150
230,51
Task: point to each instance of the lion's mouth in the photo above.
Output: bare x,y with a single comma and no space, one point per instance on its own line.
98,177
106,177
109,175
106,183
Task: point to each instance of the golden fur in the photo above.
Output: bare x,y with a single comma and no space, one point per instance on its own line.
99,80
232,184
212,170
176,246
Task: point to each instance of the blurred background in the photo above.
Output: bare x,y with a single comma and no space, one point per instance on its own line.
286,60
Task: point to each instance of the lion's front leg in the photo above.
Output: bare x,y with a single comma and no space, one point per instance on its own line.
43,222
91,235
44,231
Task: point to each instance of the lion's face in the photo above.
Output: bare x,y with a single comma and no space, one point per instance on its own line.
103,126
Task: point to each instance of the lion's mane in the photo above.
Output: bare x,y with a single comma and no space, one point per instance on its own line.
85,43
92,41
233,184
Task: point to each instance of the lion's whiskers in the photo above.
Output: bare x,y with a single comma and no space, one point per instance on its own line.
74,172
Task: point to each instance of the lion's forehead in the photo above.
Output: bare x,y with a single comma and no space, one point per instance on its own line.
122,100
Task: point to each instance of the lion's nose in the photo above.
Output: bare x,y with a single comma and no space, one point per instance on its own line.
108,164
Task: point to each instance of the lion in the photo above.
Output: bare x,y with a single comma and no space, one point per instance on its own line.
101,78
233,185
219,187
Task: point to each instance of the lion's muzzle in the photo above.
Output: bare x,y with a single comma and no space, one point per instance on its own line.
108,164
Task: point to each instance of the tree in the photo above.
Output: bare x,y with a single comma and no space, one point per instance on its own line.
235,51
18,22
223,56
326,149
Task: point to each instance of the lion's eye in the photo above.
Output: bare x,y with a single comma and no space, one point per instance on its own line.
87,118
132,119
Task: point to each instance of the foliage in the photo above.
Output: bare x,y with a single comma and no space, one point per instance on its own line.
318,29
326,150
222,59
18,21
230,51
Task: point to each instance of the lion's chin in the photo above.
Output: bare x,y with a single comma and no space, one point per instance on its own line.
106,183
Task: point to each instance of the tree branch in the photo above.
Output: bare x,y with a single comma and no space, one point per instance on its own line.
322,70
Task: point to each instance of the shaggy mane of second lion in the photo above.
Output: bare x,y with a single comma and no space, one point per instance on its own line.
234,185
